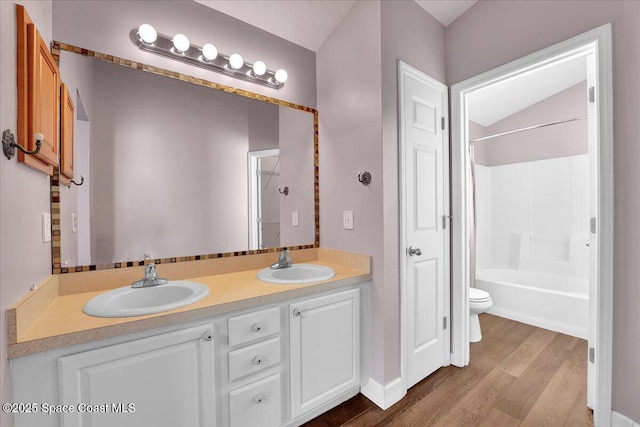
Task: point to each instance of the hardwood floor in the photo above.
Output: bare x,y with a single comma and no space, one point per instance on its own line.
519,375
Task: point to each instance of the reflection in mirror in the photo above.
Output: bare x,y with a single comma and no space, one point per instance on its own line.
168,165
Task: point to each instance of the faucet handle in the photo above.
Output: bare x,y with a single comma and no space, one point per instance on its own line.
150,271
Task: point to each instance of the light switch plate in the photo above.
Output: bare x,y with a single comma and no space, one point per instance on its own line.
294,218
46,227
74,222
347,219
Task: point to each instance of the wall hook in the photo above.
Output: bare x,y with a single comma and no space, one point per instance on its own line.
81,181
364,178
285,191
9,144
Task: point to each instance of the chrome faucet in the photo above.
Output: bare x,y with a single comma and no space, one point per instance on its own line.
283,261
150,278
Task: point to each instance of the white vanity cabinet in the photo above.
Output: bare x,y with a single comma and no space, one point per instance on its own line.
324,349
274,365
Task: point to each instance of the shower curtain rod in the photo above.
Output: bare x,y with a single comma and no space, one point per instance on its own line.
528,128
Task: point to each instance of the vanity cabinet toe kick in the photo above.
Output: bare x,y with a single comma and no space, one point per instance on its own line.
275,365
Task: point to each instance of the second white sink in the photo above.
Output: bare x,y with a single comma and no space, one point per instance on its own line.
128,301
297,273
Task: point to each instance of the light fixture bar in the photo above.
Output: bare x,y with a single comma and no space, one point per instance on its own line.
164,46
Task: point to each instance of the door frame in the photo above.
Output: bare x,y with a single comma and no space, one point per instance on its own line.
598,42
254,179
406,69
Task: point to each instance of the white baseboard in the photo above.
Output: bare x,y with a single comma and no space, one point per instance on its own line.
619,420
384,396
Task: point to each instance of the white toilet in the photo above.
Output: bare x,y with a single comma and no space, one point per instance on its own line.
479,302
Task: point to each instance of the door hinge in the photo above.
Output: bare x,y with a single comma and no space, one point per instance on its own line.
592,355
445,219
442,123
593,226
592,94
444,322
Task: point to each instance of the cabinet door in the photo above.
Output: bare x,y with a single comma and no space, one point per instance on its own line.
325,349
38,95
67,120
165,380
43,98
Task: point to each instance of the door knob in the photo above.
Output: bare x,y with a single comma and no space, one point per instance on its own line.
414,251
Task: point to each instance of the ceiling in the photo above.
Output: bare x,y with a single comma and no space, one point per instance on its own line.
308,23
494,103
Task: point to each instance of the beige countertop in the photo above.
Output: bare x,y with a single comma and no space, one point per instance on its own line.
48,319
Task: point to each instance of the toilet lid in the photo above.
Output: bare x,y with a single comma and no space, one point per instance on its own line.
476,294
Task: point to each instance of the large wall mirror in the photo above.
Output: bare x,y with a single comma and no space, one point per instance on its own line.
177,168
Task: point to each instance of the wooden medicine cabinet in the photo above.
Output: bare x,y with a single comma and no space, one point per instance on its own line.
38,83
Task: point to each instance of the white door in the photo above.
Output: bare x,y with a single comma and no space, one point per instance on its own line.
425,226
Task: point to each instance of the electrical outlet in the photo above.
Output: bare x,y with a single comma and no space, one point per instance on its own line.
294,218
74,222
347,219
46,227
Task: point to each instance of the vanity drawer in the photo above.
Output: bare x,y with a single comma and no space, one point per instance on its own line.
257,404
253,326
254,358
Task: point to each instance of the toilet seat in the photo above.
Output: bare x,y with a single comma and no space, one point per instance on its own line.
478,295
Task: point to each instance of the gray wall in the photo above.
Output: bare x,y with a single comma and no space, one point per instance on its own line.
358,131
493,33
24,259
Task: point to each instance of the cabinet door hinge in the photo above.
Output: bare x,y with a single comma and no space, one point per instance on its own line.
592,355
592,94
444,322
442,123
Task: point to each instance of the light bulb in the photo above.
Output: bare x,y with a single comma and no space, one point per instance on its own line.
209,52
259,68
181,43
281,76
147,33
235,61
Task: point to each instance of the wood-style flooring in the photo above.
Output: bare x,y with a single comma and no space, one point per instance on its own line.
519,375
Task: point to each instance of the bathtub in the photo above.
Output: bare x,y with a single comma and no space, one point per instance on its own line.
558,303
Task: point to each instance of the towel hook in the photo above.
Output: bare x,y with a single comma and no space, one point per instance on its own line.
364,178
285,191
9,144
81,181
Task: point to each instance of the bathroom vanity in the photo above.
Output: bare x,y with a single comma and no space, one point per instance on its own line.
271,355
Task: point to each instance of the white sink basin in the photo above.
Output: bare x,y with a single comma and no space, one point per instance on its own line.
128,301
296,274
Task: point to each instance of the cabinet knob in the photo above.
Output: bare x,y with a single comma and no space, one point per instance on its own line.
297,312
257,360
207,336
259,399
257,327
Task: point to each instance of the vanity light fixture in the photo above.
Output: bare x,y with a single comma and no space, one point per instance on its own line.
208,57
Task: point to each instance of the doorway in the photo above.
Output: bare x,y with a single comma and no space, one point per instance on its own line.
595,49
264,200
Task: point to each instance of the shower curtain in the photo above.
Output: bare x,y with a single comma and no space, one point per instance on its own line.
471,215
